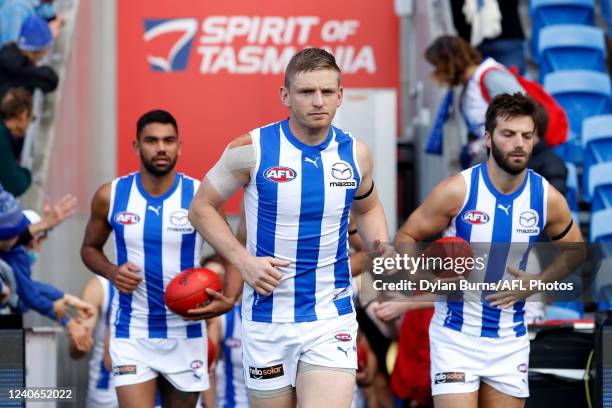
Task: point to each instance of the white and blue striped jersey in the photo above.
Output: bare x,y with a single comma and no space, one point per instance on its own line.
154,233
231,388
297,209
488,216
100,391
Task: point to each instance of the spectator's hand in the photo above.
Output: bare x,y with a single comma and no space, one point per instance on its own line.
64,208
217,304
84,310
126,277
388,311
60,308
6,292
79,335
56,25
260,273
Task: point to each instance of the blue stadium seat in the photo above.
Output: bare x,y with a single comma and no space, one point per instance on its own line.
600,186
597,145
582,94
572,190
571,46
601,226
545,13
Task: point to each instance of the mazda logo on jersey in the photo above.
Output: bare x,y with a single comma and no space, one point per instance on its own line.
127,218
280,174
343,175
528,221
179,222
341,171
179,218
266,373
476,217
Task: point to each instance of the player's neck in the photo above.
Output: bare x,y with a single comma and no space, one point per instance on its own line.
503,181
156,186
308,136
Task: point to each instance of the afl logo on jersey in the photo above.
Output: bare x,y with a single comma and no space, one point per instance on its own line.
475,217
280,174
127,218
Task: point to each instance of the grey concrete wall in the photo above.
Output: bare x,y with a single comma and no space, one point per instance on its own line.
82,156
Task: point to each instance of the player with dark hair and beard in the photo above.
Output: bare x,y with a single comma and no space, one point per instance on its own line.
478,342
150,346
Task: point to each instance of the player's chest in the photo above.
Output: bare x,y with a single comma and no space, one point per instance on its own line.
315,178
150,221
502,221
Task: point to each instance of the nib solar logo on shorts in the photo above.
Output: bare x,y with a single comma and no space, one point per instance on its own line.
169,42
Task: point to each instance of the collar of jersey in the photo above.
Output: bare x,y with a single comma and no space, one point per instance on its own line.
495,191
299,144
162,197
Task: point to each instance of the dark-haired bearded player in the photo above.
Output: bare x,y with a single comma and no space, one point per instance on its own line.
479,347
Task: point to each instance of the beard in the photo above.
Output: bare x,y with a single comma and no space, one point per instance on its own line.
155,170
503,161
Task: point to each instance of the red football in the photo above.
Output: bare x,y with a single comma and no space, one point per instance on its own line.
188,289
455,257
212,352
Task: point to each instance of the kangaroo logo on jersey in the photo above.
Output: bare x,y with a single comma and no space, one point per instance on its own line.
280,174
127,218
528,223
476,217
177,58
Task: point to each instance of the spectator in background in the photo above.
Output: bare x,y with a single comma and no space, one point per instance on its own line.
45,299
544,160
18,61
457,63
15,117
5,289
13,13
508,48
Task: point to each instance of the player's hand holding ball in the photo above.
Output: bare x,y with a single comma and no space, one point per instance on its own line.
189,292
126,277
261,273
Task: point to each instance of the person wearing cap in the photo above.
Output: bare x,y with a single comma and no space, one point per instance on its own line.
13,13
18,60
44,298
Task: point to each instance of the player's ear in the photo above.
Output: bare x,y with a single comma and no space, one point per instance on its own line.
284,96
135,145
340,96
488,137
